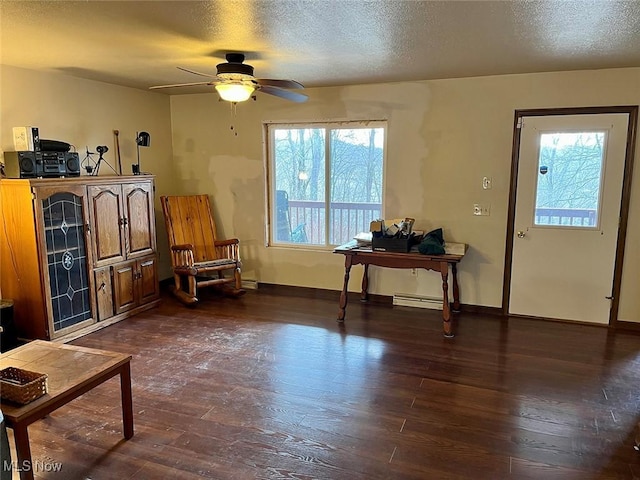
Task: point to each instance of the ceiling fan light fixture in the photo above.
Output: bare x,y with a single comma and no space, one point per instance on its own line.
235,92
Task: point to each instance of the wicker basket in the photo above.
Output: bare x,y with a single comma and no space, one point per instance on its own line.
21,386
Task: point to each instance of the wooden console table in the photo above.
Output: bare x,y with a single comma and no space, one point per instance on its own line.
71,372
413,259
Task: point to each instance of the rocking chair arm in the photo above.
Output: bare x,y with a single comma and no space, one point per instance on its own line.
228,248
223,243
182,256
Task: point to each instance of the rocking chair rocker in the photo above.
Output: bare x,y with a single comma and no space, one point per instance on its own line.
197,257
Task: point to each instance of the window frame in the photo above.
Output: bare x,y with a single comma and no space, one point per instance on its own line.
603,166
270,187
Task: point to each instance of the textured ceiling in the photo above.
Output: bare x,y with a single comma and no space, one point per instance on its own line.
317,42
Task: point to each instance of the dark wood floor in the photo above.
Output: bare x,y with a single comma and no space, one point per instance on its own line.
270,387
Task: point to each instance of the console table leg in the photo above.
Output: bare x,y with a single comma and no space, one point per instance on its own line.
364,296
446,309
127,401
23,450
456,291
343,294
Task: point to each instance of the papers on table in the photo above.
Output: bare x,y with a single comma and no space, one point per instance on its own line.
455,248
363,239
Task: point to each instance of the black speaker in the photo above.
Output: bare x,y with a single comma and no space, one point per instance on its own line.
72,161
27,164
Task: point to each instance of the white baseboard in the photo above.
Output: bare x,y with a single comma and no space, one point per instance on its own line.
417,301
250,284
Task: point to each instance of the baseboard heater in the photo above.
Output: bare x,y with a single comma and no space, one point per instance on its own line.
418,301
250,284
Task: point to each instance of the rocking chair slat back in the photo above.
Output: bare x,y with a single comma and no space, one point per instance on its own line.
190,221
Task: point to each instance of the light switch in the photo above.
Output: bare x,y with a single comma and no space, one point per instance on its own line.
486,183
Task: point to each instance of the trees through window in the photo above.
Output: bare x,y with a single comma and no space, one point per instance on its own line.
570,175
325,181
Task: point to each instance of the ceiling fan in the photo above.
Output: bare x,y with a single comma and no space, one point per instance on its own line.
234,82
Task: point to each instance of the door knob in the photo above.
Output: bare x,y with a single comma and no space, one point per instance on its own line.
521,234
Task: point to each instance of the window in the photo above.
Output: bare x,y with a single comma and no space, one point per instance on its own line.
569,181
305,207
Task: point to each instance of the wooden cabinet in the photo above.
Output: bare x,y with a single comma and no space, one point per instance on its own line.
135,283
79,253
123,221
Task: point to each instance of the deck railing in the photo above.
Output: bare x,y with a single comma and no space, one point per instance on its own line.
346,218
307,220
577,217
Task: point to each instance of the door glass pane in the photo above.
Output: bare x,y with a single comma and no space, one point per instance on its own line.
356,181
299,169
570,170
66,259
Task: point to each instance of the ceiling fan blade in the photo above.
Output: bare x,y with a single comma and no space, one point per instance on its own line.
181,85
279,83
196,73
286,94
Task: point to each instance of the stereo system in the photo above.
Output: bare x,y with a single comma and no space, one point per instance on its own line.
48,164
36,157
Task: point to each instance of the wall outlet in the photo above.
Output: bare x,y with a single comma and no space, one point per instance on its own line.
480,209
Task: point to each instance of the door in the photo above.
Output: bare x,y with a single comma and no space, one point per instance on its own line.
104,293
61,220
148,286
140,222
107,222
135,283
125,284
567,215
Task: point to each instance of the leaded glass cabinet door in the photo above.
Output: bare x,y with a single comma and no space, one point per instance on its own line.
65,258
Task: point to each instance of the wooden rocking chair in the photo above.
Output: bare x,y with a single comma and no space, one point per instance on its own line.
197,256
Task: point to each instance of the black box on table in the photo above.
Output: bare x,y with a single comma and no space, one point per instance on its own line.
392,244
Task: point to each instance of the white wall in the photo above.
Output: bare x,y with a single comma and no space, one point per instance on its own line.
443,137
85,113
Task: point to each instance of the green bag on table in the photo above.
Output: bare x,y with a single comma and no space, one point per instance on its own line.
432,243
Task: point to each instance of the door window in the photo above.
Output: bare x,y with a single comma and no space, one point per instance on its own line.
569,179
66,259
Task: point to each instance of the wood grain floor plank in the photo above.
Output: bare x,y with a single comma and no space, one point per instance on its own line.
269,386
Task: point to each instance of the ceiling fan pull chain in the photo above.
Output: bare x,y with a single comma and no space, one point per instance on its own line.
234,113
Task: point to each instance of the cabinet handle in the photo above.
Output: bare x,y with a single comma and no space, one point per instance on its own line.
87,227
103,286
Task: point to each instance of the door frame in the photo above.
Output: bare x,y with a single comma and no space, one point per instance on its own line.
632,111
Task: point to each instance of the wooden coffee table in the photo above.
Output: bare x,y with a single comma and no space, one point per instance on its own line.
72,371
